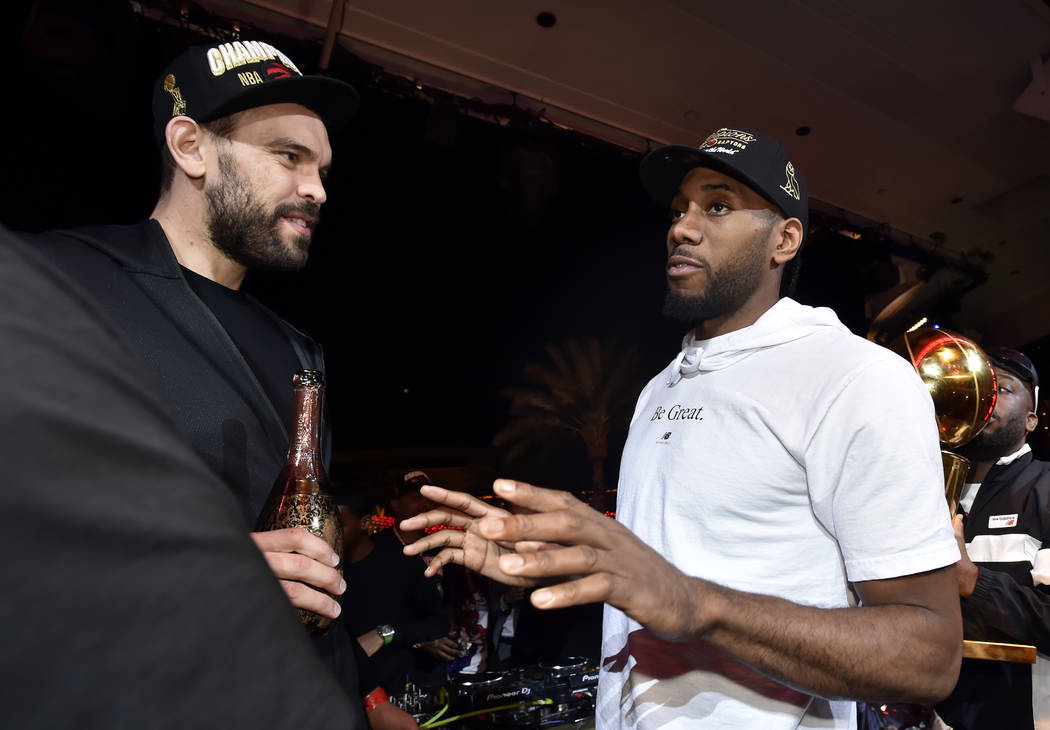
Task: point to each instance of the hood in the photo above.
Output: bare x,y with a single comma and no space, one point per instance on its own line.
785,321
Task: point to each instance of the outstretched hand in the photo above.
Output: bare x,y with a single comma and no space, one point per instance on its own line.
465,545
603,560
560,537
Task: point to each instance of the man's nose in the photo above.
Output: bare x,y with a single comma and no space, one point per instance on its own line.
688,229
312,188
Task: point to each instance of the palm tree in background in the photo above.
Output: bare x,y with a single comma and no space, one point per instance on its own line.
587,388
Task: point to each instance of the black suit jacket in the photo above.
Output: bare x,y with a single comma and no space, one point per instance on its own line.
208,389
212,392
133,597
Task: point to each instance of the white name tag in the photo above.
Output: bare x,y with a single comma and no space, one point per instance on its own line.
998,521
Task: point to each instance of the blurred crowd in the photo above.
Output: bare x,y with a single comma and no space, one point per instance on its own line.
421,630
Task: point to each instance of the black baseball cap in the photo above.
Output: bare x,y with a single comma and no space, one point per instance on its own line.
212,81
1016,363
759,162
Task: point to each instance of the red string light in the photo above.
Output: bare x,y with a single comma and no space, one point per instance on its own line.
439,528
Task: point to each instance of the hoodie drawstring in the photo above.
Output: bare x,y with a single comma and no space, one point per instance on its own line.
685,363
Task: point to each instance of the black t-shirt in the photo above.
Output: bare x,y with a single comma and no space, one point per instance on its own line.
257,336
388,587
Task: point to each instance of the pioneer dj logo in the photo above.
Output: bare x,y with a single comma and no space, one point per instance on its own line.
521,691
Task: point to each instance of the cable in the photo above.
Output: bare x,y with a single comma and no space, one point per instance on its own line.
465,715
430,722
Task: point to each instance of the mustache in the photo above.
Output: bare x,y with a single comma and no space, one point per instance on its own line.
683,252
304,209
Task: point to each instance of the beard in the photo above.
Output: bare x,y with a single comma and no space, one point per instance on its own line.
1001,442
242,229
727,289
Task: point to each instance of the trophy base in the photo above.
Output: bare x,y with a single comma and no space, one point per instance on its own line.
997,652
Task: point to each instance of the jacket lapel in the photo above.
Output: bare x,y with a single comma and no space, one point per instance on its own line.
172,295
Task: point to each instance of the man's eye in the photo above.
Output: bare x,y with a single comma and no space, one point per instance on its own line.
718,208
290,156
676,215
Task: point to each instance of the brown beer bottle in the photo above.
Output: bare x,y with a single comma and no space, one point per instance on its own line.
300,496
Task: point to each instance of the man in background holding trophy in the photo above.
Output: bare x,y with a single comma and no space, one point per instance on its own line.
1003,529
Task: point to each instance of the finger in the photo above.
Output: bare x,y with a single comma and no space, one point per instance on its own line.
531,546
576,560
460,501
302,596
295,540
446,556
440,539
534,498
570,527
296,567
458,555
590,589
436,517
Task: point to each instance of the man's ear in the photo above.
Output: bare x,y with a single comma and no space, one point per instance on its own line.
1031,421
789,239
184,138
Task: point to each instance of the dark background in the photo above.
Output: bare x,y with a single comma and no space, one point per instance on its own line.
452,248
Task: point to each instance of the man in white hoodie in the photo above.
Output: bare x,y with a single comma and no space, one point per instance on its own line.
776,469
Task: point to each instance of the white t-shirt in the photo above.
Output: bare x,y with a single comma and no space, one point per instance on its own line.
788,459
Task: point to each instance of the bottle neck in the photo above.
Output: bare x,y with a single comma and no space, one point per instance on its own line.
304,452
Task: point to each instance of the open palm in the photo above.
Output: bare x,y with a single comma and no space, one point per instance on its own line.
463,545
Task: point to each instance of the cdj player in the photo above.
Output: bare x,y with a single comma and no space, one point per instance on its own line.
538,696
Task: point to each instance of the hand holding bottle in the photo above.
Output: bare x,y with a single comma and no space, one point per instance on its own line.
302,562
301,533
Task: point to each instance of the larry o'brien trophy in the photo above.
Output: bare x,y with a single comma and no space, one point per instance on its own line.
962,383
300,496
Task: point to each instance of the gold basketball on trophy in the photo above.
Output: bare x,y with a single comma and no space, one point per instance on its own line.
960,379
962,383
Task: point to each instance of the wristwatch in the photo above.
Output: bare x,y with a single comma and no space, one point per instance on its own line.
386,633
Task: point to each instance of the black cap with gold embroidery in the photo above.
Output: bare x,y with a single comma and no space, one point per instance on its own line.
759,162
209,82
